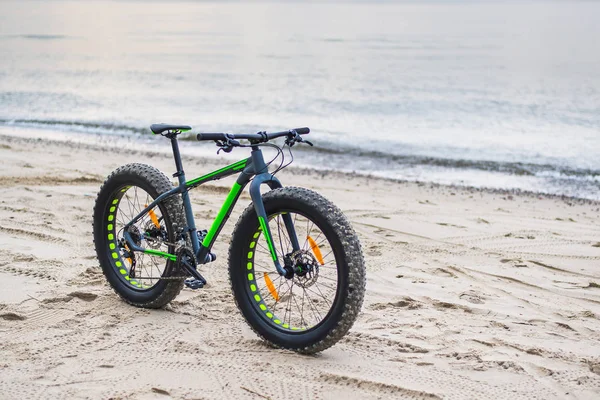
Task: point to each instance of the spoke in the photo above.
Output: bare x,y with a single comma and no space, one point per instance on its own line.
146,270
330,251
301,311
279,232
279,295
126,213
328,287
267,272
266,251
288,241
261,288
160,273
120,220
307,233
288,308
263,247
321,295
139,263
268,265
130,203
312,224
137,201
302,320
317,239
312,307
326,277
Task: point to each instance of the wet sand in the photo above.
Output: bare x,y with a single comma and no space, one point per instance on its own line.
470,294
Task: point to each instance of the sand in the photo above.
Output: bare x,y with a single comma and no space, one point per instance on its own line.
470,294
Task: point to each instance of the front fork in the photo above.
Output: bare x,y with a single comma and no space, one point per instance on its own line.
263,220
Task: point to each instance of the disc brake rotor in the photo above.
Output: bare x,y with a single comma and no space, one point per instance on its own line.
154,236
306,268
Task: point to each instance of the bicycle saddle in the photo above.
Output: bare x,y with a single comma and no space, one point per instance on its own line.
160,128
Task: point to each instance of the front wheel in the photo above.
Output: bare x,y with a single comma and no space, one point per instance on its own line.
310,310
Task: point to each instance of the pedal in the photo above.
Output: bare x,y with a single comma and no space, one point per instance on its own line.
186,263
194,283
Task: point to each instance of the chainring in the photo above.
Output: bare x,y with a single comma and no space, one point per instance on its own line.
184,253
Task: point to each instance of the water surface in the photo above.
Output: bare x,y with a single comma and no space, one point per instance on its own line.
495,94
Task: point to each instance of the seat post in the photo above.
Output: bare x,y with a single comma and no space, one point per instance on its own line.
177,155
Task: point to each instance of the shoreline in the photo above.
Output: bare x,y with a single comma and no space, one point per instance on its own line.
153,148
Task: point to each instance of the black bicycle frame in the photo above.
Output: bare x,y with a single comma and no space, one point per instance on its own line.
252,169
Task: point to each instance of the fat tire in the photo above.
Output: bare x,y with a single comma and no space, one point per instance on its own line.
154,182
351,265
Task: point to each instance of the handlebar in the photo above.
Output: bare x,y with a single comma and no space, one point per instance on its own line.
252,137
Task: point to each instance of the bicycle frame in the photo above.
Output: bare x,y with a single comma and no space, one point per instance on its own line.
252,169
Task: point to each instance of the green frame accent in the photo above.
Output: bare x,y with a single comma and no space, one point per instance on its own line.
225,171
171,257
223,212
263,227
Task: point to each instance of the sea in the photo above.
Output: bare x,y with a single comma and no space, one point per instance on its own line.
495,94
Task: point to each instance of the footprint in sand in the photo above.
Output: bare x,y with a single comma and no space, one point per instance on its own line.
516,236
594,367
160,391
51,300
472,297
11,316
593,285
406,302
452,225
443,305
373,250
84,296
444,272
517,262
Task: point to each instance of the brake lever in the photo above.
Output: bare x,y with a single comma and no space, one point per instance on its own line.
226,145
296,138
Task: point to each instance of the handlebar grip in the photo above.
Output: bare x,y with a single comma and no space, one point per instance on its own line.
301,131
210,136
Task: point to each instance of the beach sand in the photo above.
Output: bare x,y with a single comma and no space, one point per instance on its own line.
470,294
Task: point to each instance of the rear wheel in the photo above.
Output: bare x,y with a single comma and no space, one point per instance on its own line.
138,277
313,308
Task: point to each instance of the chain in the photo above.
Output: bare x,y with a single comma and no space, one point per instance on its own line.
162,242
172,278
168,278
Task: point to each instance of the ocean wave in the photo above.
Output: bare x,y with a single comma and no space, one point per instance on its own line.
365,161
77,126
505,167
39,37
